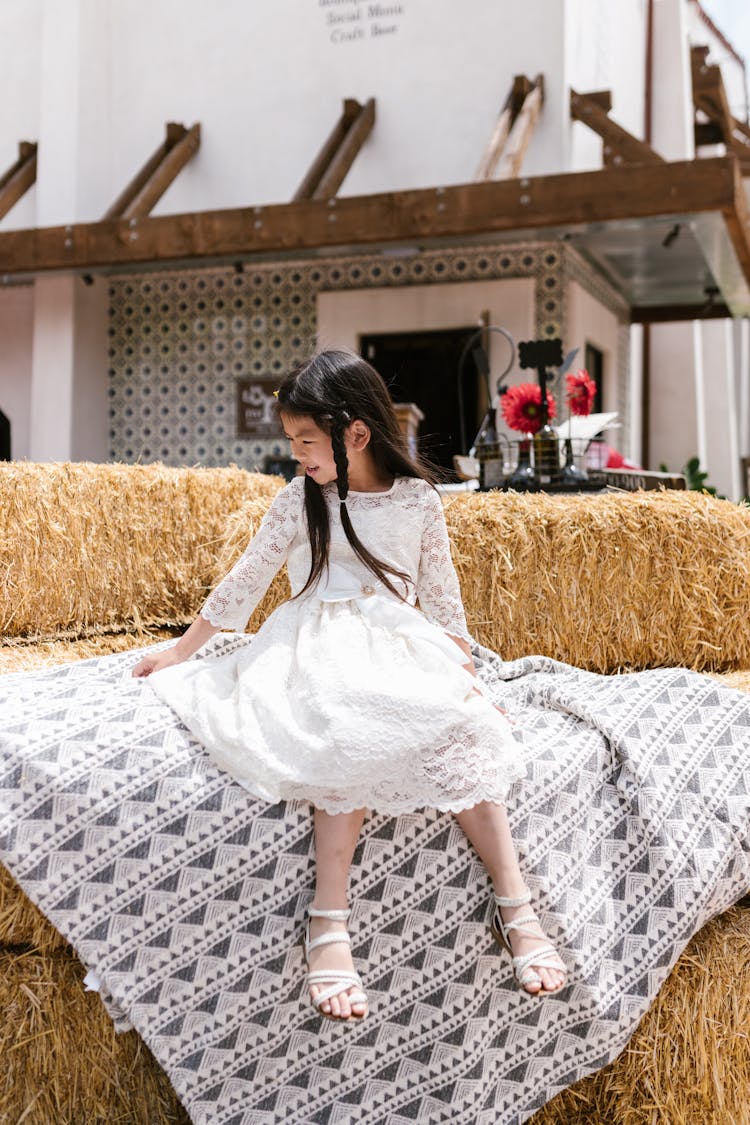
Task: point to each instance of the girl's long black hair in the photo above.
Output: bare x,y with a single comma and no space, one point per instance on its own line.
334,388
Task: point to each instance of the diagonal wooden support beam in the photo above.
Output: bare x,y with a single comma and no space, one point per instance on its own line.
20,176
710,98
330,167
508,114
148,186
618,145
521,132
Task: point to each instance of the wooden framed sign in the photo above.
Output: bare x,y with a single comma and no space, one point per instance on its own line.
256,408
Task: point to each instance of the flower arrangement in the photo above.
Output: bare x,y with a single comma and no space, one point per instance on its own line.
581,392
521,406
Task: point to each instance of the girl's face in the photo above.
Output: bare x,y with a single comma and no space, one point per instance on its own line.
311,446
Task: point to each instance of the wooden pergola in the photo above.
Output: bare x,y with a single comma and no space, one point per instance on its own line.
635,192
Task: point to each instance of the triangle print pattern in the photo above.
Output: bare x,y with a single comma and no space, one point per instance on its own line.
186,897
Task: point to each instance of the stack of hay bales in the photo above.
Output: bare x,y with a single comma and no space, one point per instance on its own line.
101,558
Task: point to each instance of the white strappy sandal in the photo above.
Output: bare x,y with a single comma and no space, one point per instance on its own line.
342,979
544,957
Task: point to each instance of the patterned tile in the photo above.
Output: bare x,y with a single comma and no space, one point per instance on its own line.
179,340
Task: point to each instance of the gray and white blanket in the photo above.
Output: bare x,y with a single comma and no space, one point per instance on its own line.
186,897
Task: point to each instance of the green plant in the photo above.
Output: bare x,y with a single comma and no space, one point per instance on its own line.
695,477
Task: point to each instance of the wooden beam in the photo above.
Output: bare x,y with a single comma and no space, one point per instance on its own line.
522,130
627,192
519,90
149,184
618,145
19,177
662,314
331,165
710,97
737,220
708,90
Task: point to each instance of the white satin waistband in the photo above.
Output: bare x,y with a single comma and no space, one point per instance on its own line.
386,610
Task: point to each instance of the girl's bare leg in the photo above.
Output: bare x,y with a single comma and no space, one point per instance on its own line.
335,840
486,826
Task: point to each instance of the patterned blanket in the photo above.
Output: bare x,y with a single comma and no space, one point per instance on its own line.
186,897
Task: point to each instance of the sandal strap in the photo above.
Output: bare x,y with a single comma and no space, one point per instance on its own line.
543,958
342,981
341,976
327,939
327,993
519,924
522,900
334,915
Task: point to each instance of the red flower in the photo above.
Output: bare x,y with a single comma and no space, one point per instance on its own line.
581,392
521,407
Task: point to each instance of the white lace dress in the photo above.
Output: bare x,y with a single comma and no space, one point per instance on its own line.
347,697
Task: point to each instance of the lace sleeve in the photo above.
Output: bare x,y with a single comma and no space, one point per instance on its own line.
229,606
437,582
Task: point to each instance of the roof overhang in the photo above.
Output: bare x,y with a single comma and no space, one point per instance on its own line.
620,218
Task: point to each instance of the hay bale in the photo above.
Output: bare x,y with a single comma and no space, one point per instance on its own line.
22,924
90,548
20,655
239,530
62,1059
689,1060
610,582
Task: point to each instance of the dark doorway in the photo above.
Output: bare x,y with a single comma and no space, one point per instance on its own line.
594,364
4,437
422,367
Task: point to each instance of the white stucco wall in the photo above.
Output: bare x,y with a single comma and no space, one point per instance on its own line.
20,79
95,81
732,71
16,328
589,322
344,317
605,49
675,391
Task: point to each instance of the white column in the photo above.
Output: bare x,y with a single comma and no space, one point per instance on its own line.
52,370
742,352
720,420
675,349
69,371
69,355
16,328
672,93
700,394
673,415
635,396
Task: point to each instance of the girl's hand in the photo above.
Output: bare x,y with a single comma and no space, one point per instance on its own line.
155,663
504,713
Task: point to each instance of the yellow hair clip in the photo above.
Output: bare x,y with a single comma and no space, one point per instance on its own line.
275,394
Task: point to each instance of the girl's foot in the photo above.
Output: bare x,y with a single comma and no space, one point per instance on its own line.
536,964
335,989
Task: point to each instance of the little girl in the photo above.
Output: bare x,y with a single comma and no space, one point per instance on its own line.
349,696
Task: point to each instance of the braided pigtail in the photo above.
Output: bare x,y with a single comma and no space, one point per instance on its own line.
334,389
340,421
